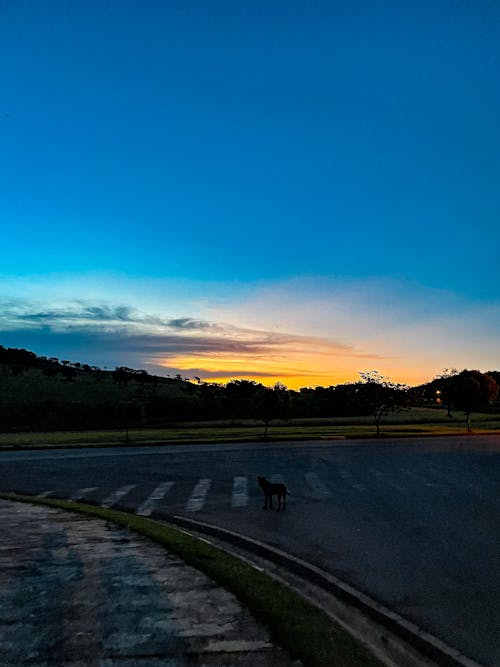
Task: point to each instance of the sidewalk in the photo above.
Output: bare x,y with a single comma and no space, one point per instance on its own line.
79,592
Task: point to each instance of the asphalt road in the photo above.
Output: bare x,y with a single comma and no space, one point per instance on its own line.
413,523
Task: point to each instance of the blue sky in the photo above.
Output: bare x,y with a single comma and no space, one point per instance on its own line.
182,159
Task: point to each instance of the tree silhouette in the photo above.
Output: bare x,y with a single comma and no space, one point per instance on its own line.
281,401
470,390
242,398
443,379
68,373
379,395
266,406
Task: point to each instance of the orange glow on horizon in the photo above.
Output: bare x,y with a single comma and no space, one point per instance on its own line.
293,370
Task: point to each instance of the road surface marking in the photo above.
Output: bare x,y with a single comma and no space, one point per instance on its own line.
82,493
318,487
240,492
197,499
152,501
117,495
45,494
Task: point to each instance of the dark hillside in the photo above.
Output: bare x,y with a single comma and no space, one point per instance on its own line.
37,393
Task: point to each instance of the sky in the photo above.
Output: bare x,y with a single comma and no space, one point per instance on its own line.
265,190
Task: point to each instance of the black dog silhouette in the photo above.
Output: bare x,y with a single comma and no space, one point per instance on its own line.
271,490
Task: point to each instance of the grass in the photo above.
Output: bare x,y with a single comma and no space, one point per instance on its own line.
304,631
414,422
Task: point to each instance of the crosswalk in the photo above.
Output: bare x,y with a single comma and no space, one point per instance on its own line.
115,497
198,496
45,494
240,496
154,499
241,491
82,493
158,498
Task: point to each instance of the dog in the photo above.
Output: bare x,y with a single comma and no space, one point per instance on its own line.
271,490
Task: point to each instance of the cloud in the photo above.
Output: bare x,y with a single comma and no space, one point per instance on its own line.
230,373
91,317
123,334
303,331
79,312
152,332
189,323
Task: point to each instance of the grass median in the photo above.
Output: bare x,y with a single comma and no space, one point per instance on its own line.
304,631
414,424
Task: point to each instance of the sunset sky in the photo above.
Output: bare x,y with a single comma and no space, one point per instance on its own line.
293,191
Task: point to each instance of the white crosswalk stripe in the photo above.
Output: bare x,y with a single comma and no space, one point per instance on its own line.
117,495
240,492
198,496
83,493
318,487
151,503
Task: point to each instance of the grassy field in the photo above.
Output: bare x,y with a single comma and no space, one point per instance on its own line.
414,422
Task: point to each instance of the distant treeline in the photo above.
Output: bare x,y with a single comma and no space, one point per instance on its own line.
40,393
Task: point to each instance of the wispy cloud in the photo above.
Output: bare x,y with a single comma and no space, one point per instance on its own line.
79,312
188,323
96,317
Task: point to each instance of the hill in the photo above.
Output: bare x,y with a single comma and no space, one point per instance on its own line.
37,393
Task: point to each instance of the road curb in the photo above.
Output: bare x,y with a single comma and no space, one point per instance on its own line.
425,643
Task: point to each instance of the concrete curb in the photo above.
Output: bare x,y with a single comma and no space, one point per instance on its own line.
423,642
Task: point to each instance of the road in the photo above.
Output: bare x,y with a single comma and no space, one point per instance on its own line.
413,523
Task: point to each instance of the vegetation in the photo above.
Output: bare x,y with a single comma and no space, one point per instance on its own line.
407,423
44,395
470,390
380,396
304,630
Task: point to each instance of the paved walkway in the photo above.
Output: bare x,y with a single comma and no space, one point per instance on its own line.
79,592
